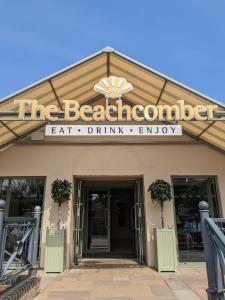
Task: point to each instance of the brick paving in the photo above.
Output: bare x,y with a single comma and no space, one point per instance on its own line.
123,280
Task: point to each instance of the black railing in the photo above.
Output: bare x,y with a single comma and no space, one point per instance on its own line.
213,235
19,239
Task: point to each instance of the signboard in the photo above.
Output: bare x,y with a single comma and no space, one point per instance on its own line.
113,112
118,111
113,130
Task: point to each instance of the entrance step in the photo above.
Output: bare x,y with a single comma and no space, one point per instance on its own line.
104,263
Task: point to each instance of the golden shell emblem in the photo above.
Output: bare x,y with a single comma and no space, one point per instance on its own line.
113,87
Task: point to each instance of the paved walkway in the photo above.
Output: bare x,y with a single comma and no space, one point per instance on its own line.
123,280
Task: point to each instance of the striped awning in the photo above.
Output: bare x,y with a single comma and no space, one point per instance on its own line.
77,81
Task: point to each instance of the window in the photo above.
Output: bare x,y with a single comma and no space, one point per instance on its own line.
21,194
188,192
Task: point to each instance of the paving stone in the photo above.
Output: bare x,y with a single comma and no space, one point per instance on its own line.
109,291
168,275
156,298
176,284
199,290
147,280
72,286
186,295
118,282
68,295
111,283
112,298
144,282
120,278
161,290
140,291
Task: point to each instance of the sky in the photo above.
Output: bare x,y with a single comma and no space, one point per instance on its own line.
183,39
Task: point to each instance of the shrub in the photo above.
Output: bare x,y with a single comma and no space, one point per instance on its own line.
160,191
61,191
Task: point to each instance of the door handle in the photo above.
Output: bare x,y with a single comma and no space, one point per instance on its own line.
81,216
136,217
106,218
132,217
106,221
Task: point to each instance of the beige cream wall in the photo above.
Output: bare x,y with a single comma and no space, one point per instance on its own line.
150,161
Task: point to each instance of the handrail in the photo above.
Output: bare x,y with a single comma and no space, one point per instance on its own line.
18,243
214,250
18,219
214,229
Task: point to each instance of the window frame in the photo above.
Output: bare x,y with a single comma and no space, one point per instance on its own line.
219,204
27,177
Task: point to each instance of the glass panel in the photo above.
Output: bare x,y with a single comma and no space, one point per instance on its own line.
98,220
188,192
79,223
21,195
121,214
139,221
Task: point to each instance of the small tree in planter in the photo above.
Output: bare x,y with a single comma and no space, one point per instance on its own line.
160,191
61,191
165,237
56,237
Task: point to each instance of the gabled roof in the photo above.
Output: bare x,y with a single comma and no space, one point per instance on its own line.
77,81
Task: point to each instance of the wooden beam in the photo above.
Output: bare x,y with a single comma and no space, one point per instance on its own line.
203,131
22,136
9,129
162,90
108,64
56,96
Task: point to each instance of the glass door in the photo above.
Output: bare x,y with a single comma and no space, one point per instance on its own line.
139,222
79,223
98,221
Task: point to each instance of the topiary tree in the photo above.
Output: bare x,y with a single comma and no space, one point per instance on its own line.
160,191
61,191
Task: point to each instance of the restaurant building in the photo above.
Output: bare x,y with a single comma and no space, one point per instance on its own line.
111,126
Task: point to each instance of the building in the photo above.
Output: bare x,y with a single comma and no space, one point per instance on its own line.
110,164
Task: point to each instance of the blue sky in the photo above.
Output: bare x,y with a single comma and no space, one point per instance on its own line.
184,39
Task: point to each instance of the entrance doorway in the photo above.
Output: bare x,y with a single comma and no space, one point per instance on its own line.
122,225
109,219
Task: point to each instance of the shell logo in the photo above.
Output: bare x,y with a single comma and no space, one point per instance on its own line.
113,87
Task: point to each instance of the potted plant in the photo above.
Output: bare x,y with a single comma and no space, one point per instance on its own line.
56,237
61,192
160,191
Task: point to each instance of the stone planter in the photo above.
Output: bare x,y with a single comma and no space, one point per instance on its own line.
166,249
55,251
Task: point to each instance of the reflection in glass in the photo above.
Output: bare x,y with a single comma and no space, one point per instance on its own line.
21,194
97,219
188,192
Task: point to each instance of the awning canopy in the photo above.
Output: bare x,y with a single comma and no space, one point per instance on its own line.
77,82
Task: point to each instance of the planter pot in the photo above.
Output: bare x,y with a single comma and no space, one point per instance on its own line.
166,249
55,251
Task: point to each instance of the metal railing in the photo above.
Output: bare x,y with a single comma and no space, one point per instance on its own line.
19,237
213,235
